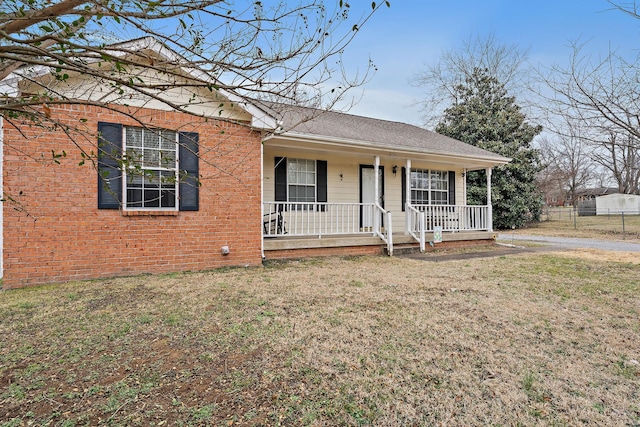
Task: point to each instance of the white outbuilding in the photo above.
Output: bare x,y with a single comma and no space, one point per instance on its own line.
617,204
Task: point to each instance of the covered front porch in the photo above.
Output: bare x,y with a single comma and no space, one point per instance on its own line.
305,225
335,183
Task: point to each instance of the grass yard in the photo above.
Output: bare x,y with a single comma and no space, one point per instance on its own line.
536,339
563,222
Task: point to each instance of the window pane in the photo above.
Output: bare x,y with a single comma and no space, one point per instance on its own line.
419,197
293,193
292,166
133,156
151,158
133,137
168,199
134,198
151,179
311,167
310,194
309,178
151,139
168,140
439,198
167,159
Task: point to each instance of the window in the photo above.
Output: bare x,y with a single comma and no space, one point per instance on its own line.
147,169
300,180
150,168
429,187
419,187
439,187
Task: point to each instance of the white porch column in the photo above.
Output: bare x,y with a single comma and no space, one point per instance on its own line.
464,186
490,207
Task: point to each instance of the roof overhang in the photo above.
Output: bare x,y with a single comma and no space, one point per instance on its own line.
320,144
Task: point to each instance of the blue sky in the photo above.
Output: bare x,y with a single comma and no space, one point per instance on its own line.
402,39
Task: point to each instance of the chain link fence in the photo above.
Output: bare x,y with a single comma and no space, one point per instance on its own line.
622,224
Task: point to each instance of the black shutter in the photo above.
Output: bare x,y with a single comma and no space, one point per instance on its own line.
109,165
452,188
321,183
280,176
188,163
404,187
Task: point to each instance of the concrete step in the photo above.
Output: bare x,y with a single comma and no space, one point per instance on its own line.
404,248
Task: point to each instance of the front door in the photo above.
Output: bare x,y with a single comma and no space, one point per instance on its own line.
367,193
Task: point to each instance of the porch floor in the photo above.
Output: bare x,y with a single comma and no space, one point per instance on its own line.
334,241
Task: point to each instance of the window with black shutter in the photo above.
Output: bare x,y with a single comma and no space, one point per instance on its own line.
300,180
147,169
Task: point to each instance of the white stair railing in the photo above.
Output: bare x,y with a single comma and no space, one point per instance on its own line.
386,233
416,226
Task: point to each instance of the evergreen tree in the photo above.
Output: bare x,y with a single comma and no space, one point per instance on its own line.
485,116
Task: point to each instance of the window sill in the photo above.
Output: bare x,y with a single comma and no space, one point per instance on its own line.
150,213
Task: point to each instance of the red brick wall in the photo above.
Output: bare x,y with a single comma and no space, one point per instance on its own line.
56,232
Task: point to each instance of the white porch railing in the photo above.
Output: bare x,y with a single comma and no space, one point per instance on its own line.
324,219
416,225
385,233
454,217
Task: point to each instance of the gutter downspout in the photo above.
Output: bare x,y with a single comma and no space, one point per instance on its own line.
407,178
376,194
262,197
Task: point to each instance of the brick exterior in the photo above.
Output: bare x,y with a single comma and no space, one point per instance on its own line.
55,232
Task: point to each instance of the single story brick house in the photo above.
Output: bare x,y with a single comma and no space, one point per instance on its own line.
138,187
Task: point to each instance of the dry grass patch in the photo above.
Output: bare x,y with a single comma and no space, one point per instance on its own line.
562,222
517,340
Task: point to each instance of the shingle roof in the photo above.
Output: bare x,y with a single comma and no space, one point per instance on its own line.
372,132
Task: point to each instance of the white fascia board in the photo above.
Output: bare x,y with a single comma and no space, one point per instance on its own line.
9,86
339,145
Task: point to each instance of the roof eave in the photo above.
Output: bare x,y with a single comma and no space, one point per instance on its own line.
372,146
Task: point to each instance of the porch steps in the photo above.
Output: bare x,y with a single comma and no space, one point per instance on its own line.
404,248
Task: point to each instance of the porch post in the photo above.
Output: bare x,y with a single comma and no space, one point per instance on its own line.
490,206
376,192
464,186
407,196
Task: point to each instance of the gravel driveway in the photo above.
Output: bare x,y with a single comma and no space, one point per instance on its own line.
572,243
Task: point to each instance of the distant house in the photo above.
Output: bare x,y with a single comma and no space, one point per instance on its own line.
246,181
592,193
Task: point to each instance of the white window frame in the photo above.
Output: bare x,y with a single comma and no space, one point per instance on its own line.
306,173
439,183
430,182
134,160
